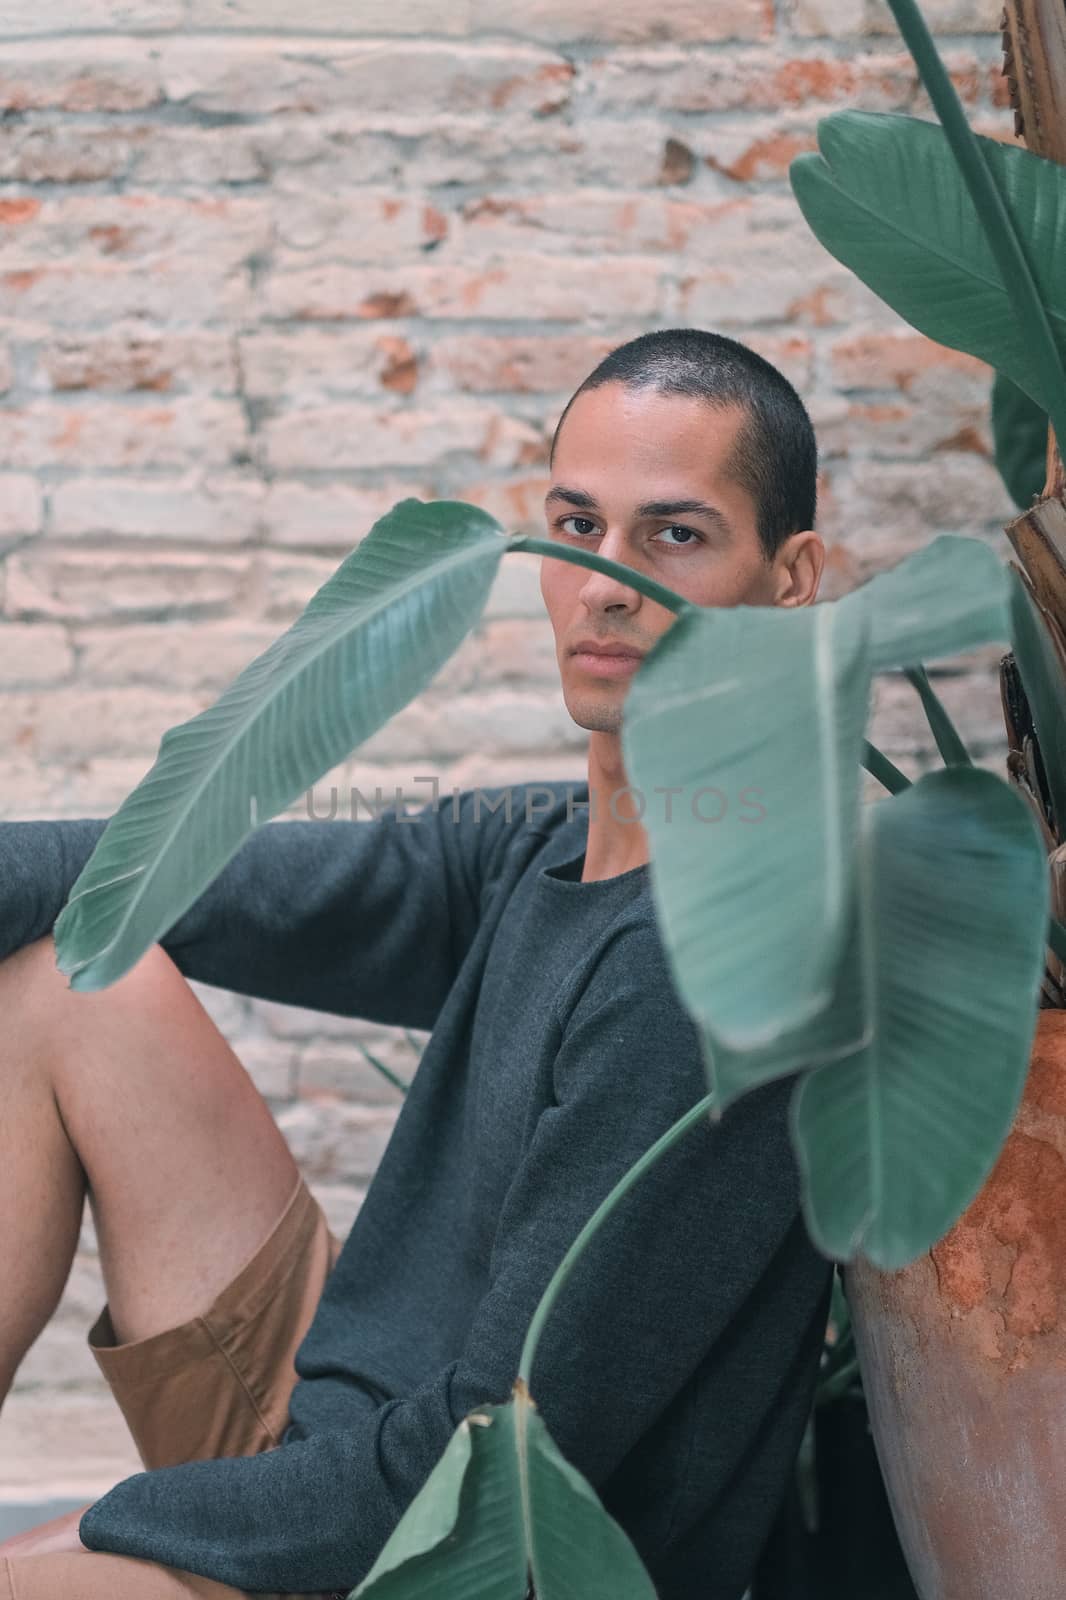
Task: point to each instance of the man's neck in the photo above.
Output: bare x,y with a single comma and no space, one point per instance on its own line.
617,841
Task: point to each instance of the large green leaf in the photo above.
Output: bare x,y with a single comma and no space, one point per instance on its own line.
886,197
368,642
754,717
1019,433
767,706
946,954
948,596
500,1507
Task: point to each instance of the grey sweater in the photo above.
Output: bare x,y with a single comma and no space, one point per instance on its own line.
677,1368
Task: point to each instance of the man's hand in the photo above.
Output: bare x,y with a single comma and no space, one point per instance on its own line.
50,1538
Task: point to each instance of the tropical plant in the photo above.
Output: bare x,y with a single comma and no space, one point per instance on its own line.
873,948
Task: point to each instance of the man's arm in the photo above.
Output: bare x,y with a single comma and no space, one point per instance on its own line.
672,1271
367,918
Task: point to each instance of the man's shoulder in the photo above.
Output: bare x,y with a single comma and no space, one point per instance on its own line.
493,819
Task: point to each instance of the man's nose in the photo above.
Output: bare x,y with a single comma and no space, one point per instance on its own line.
601,592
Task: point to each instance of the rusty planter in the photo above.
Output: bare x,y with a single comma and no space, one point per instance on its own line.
963,1356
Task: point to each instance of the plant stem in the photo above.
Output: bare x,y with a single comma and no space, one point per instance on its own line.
838,1383
600,1215
1056,938
992,210
614,569
880,767
948,741
386,1072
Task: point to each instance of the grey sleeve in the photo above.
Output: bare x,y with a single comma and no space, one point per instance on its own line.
39,862
367,918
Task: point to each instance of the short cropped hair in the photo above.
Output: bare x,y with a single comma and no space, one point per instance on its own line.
775,457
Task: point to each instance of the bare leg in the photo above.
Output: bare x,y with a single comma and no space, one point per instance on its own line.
133,1097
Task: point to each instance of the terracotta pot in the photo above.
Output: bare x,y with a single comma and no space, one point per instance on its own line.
963,1356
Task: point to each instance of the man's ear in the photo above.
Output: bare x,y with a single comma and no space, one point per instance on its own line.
798,569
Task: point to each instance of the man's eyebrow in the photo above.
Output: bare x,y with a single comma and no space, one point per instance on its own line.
650,508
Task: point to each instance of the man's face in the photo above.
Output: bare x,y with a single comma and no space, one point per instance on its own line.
640,477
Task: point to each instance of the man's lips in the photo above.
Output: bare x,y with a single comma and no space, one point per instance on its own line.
606,647
603,659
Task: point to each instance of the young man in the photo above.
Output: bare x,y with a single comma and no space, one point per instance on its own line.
677,1367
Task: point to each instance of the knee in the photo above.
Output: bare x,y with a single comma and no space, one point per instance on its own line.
30,972
33,990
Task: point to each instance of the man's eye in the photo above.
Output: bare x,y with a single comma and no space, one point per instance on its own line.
690,536
589,525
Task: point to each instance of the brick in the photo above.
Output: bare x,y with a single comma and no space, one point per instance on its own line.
72,724
289,581
98,585
102,75
759,153
177,155
897,361
350,435
200,656
138,227
515,590
32,654
108,434
254,77
544,287
893,429
601,222
97,786
66,152
632,21
21,18
177,289
842,19
336,17
504,651
414,152
220,510
702,81
792,354
340,1069
883,510
798,282
76,1446
334,1142
500,721
332,515
459,674
340,361
554,21
138,358
31,790
516,650
353,225
21,505
551,767
517,502
61,1358
540,363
